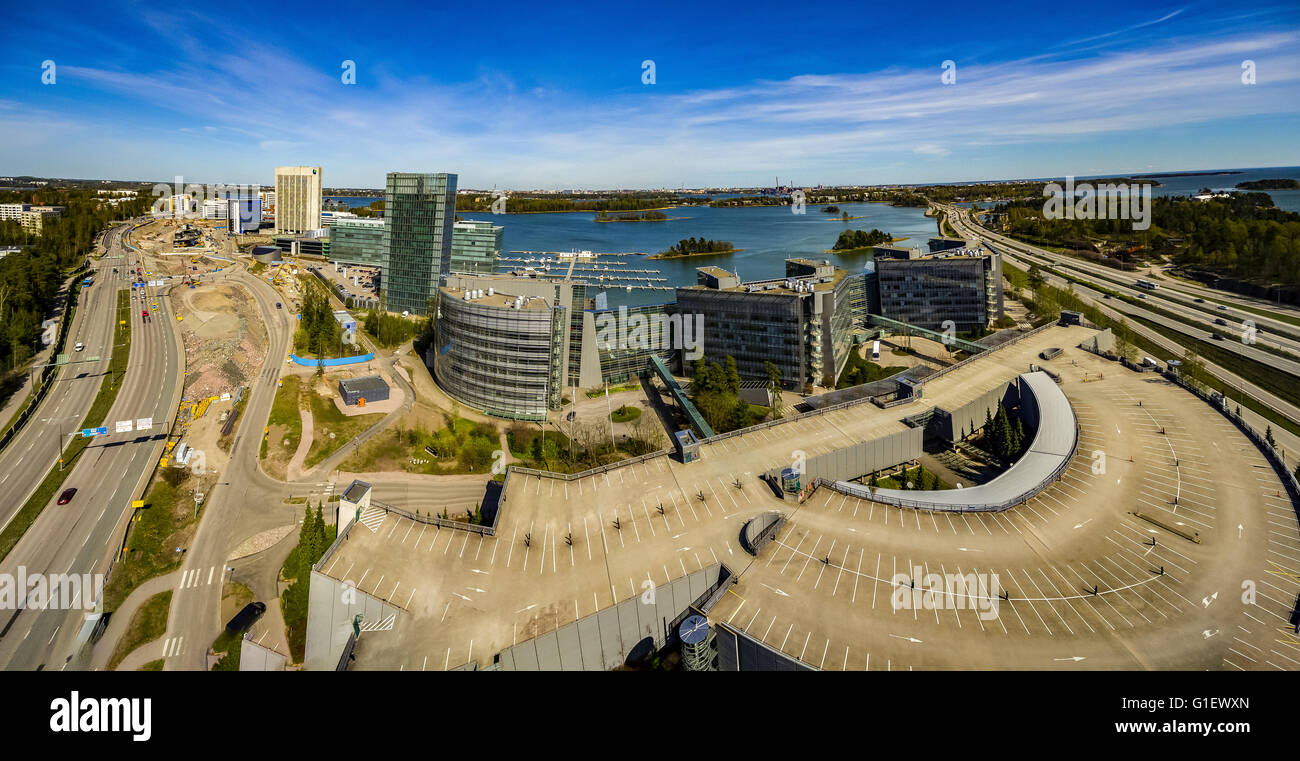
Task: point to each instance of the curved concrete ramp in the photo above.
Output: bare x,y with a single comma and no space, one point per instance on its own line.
1054,445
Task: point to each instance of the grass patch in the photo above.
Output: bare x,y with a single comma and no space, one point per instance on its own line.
151,543
612,389
108,388
284,417
326,420
153,665
921,478
625,414
147,624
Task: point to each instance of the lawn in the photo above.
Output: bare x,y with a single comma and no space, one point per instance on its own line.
284,427
327,420
148,624
625,414
153,538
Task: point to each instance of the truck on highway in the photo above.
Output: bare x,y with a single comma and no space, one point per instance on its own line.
144,314
1147,284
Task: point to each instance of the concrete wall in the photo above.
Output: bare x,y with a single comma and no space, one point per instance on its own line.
737,651
866,456
331,609
603,640
972,415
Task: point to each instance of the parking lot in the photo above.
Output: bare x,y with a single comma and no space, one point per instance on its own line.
1079,582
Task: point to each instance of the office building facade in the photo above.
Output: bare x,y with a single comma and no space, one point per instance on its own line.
360,241
475,247
419,210
244,215
963,286
297,198
502,353
800,323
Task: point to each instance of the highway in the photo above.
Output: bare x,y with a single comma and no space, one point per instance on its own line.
1195,319
27,458
82,536
1022,255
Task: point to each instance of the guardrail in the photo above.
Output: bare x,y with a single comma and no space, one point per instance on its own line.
433,520
589,472
1288,478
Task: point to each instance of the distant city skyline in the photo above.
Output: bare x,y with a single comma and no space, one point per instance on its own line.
845,95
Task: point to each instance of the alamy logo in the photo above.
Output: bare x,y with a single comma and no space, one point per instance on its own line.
1105,201
78,714
54,591
181,201
625,330
947,591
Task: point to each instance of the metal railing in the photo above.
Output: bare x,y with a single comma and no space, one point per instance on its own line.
433,520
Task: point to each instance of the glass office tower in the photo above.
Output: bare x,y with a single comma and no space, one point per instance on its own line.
419,210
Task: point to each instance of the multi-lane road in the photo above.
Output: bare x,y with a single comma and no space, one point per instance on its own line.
81,537
1022,255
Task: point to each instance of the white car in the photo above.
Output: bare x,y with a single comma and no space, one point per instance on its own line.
80,346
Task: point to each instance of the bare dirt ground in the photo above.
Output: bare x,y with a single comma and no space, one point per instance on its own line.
223,347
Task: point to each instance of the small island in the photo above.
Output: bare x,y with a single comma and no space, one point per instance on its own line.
831,209
858,241
696,247
1282,183
632,216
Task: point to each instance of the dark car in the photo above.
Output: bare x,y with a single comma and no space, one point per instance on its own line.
245,618
67,495
1200,301
1222,307
1220,321
277,305
1216,336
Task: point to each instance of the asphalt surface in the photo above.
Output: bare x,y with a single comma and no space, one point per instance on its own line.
1015,252
82,537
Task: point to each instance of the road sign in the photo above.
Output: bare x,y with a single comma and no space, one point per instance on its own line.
137,503
143,423
123,426
62,359
89,432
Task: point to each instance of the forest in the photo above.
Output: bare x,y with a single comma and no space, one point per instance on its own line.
1243,235
30,279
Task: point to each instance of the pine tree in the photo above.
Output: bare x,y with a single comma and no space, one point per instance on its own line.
1268,437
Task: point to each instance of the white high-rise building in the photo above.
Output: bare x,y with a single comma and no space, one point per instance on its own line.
216,208
297,198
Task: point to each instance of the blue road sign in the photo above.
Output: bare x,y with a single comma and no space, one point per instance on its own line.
89,432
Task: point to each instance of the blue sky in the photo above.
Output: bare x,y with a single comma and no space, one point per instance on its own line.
550,95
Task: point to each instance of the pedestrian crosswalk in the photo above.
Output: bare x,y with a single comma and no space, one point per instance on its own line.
173,646
198,577
373,518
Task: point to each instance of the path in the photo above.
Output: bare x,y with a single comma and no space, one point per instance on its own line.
121,619
293,471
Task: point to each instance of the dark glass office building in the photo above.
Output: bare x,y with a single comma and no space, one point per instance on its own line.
419,210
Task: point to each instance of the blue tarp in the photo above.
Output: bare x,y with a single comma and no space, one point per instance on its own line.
308,362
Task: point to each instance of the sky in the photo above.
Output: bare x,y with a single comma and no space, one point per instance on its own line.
560,95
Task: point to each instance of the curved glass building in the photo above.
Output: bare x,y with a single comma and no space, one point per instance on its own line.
496,352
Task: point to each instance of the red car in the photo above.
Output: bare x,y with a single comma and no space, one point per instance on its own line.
67,495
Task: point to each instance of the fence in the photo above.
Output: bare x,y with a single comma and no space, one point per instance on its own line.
1219,402
308,362
434,520
590,472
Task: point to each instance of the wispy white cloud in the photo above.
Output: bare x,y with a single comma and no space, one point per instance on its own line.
264,106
